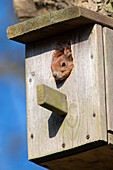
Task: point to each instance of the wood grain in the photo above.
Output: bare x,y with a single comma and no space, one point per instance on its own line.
108,52
60,21
52,100
86,119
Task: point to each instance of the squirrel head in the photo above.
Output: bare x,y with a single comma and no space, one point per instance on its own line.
62,64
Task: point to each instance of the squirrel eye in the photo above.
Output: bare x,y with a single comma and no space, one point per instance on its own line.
63,64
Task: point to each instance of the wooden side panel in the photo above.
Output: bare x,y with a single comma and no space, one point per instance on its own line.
86,119
90,115
108,52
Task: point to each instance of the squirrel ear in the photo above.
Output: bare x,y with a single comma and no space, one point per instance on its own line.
68,54
57,54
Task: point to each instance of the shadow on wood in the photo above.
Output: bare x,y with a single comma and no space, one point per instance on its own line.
54,123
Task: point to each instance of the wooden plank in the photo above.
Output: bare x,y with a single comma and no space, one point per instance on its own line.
86,118
108,52
44,126
52,100
89,87
100,80
60,21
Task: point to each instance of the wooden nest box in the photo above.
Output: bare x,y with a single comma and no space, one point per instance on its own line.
70,122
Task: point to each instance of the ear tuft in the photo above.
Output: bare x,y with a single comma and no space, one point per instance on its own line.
57,54
68,54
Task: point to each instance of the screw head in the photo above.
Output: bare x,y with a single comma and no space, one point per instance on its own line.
31,136
30,80
91,56
94,115
63,145
88,136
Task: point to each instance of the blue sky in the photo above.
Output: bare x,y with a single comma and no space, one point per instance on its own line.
13,127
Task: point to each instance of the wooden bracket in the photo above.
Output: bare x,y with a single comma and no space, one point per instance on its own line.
52,99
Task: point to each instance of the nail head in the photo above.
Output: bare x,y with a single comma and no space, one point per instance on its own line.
32,136
63,145
30,80
91,56
88,136
94,115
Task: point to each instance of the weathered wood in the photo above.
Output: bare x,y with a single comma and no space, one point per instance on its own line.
108,52
60,21
89,83
52,100
86,118
88,88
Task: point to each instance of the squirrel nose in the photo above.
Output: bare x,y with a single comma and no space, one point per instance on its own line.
54,75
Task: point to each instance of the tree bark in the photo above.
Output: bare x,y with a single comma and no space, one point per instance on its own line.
26,9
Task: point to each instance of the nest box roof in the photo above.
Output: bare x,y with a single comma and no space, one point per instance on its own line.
55,23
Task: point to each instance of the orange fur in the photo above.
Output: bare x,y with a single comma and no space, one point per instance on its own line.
62,64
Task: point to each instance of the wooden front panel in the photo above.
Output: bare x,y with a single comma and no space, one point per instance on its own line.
85,122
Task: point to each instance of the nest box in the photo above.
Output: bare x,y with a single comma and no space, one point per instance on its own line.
69,122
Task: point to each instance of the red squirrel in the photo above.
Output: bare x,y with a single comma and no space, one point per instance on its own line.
62,64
